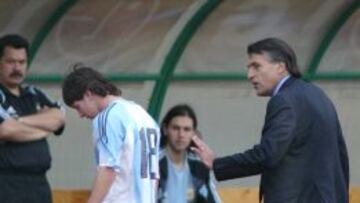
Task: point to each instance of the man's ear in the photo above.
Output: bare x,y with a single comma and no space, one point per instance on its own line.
88,93
282,68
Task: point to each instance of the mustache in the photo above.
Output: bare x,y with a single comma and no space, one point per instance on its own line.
16,74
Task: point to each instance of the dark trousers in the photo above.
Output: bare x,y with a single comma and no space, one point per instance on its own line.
24,188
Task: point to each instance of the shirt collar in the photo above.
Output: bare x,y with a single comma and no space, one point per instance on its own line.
24,90
279,85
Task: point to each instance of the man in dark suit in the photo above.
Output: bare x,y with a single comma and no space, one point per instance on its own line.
302,156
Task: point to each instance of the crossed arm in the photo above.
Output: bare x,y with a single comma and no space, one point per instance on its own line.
32,127
48,119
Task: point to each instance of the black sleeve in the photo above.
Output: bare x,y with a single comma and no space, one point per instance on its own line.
46,101
344,158
3,114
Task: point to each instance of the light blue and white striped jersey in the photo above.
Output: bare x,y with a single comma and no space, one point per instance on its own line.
127,139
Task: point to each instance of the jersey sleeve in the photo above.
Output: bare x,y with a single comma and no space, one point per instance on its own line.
110,136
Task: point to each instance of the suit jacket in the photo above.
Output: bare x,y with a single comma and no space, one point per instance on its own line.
302,156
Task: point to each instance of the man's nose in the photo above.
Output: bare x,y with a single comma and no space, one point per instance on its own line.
250,74
17,66
81,115
181,132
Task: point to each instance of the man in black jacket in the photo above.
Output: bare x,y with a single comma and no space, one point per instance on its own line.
27,117
302,156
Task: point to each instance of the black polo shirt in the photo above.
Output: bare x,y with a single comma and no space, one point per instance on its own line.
31,157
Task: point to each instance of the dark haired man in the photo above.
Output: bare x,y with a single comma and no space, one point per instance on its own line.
27,117
302,156
183,177
126,138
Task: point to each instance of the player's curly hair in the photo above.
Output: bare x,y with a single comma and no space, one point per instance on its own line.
83,78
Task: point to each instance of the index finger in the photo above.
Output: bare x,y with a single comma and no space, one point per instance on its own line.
197,141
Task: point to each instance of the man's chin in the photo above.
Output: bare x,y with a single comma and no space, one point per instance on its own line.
180,149
261,94
16,81
12,84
